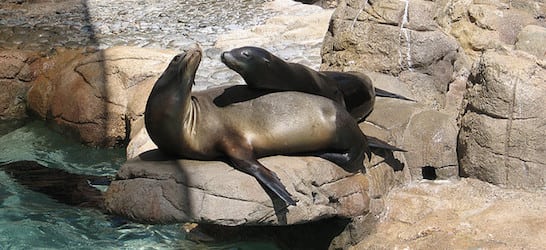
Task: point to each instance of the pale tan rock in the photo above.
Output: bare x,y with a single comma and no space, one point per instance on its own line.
487,24
140,140
459,214
431,141
97,96
532,39
214,192
299,23
501,140
15,77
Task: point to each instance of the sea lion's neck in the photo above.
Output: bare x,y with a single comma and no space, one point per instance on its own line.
191,111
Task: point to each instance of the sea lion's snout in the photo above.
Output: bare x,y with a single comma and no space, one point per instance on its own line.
194,56
225,57
232,61
188,63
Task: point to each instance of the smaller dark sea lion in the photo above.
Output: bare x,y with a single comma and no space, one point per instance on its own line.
262,70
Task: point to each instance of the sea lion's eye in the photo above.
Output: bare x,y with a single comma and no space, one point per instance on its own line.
246,54
176,58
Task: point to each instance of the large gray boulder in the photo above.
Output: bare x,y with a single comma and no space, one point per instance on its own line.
502,131
155,189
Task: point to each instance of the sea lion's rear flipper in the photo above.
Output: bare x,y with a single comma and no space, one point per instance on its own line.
265,176
374,142
65,187
384,93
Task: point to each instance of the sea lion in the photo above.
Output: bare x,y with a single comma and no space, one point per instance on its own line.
262,70
358,92
244,124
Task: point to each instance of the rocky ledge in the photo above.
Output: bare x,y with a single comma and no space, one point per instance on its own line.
153,188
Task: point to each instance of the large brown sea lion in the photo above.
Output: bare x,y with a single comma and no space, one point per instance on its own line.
263,70
244,124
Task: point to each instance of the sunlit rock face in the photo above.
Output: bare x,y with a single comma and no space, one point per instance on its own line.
401,47
501,139
96,96
156,189
15,76
430,49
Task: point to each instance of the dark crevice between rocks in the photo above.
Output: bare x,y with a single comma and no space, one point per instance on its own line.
128,129
429,173
312,235
509,130
479,111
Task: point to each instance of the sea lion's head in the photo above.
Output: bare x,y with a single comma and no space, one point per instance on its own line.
182,68
252,63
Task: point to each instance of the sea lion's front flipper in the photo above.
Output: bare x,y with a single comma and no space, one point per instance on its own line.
374,142
265,176
384,93
242,157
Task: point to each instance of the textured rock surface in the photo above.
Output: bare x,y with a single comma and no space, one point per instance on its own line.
299,23
97,95
214,192
15,77
428,48
531,40
502,134
488,24
465,214
404,51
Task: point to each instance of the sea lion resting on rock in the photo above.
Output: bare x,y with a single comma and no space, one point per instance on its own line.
263,70
244,124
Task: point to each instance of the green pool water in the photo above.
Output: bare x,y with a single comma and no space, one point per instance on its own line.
30,220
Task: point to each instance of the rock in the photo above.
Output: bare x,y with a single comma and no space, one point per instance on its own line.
459,214
140,140
213,192
428,48
487,24
374,36
15,75
429,136
383,172
300,23
431,141
378,42
97,96
531,40
500,140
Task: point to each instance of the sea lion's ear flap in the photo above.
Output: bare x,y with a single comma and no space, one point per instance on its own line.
266,61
